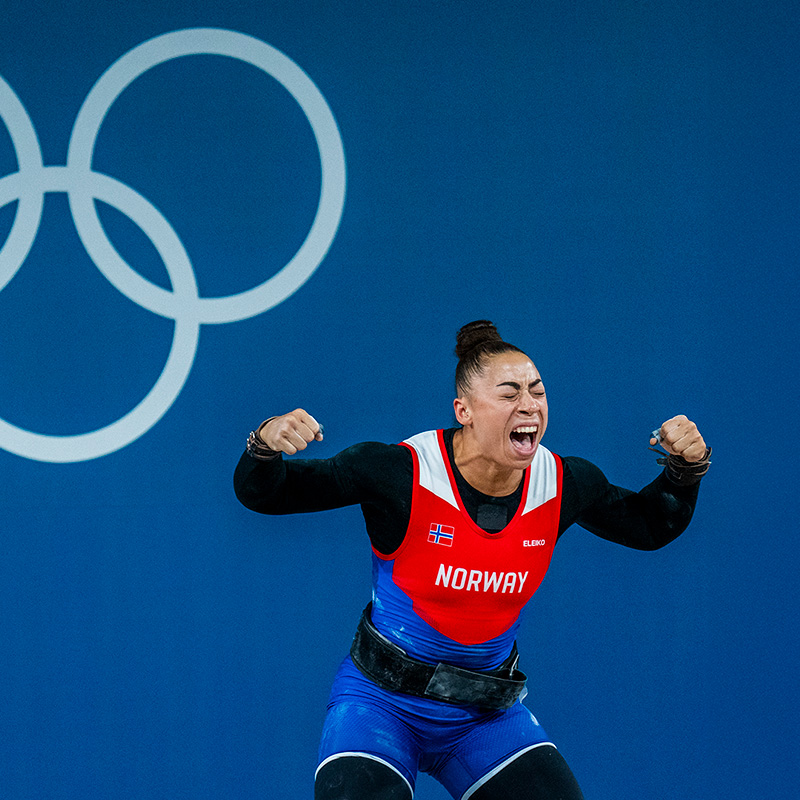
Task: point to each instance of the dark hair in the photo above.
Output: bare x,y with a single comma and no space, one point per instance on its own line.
475,342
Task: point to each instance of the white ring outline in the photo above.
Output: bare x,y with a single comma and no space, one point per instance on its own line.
212,41
128,428
31,201
83,186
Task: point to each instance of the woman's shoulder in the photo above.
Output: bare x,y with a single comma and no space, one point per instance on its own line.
365,457
377,450
583,479
581,469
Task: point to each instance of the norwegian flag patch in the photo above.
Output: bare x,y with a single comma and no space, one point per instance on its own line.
441,534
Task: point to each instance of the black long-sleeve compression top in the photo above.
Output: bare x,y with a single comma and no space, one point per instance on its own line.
379,478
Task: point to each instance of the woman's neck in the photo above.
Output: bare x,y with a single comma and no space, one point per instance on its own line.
480,473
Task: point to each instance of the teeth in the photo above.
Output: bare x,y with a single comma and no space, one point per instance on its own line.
527,429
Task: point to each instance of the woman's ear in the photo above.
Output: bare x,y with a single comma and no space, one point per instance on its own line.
461,410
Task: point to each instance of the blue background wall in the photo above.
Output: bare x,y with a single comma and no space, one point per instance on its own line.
615,184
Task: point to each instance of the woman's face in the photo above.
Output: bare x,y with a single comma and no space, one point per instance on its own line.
505,410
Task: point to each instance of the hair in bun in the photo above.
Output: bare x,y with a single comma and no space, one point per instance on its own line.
475,342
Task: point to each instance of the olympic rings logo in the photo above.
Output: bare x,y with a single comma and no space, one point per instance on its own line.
83,186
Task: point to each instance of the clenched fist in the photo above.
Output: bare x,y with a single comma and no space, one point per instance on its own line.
680,437
290,432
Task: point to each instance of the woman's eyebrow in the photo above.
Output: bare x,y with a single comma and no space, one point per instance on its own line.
515,385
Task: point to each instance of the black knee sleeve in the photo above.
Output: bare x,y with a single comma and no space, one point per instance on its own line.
539,774
358,778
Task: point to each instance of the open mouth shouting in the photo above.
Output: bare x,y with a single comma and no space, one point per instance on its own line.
524,439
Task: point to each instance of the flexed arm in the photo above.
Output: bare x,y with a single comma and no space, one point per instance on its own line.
263,482
377,476
655,515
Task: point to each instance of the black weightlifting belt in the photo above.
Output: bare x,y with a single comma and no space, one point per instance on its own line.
392,668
